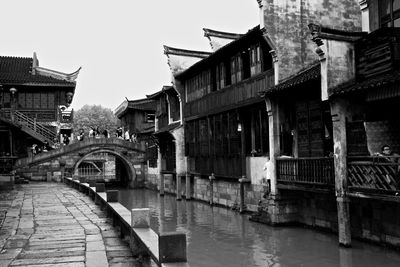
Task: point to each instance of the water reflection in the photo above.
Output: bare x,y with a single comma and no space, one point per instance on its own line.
219,237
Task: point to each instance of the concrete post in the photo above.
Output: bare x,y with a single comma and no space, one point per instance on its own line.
48,176
178,187
211,178
188,187
338,111
112,195
162,184
172,247
140,218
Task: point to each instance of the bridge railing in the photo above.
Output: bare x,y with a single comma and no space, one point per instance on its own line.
165,249
103,142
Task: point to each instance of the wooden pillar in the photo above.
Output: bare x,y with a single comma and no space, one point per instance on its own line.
338,111
161,184
188,187
242,205
178,187
274,142
211,178
243,145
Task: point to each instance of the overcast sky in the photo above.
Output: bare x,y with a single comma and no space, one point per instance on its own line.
119,43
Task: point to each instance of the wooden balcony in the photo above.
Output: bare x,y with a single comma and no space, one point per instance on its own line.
376,174
377,52
231,96
306,172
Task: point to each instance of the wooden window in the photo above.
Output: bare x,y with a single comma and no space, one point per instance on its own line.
310,129
255,60
389,13
21,100
29,100
43,101
150,117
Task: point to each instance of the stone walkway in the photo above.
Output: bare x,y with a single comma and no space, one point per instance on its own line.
50,224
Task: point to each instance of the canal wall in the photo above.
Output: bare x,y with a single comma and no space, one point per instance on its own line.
371,220
224,193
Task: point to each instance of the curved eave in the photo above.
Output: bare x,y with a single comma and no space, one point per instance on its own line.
71,77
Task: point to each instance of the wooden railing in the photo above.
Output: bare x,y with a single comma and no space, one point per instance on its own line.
32,124
375,173
231,95
311,171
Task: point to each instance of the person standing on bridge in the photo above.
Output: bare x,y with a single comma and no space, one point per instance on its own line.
127,136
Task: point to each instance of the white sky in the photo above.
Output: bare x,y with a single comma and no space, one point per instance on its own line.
118,43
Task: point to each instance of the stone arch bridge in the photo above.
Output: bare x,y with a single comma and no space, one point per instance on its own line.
67,159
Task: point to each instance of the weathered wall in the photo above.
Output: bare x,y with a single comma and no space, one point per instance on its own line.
286,23
256,169
180,150
340,62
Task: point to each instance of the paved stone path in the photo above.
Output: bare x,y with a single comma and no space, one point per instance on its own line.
50,224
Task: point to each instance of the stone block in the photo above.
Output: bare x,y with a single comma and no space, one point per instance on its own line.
48,176
92,183
100,187
112,195
82,180
140,218
172,247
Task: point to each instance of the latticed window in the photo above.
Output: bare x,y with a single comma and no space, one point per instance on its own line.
389,11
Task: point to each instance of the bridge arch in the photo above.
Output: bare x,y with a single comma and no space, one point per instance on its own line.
131,180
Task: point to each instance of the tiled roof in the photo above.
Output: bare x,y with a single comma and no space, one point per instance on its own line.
18,70
142,104
308,74
377,81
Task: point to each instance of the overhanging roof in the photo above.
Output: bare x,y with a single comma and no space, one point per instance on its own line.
25,71
383,80
311,73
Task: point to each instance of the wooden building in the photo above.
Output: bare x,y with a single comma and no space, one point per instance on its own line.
330,116
34,105
138,117
224,117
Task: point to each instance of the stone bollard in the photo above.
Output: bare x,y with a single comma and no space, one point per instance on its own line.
100,187
211,178
48,176
112,195
172,247
92,183
140,218
188,187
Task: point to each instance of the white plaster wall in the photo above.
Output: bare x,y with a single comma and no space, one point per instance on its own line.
341,62
180,63
256,169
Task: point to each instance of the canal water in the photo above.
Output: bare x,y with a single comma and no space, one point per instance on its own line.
220,237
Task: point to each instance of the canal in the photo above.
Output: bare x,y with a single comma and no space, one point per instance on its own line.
220,237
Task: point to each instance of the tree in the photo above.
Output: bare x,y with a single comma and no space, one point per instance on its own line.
93,116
